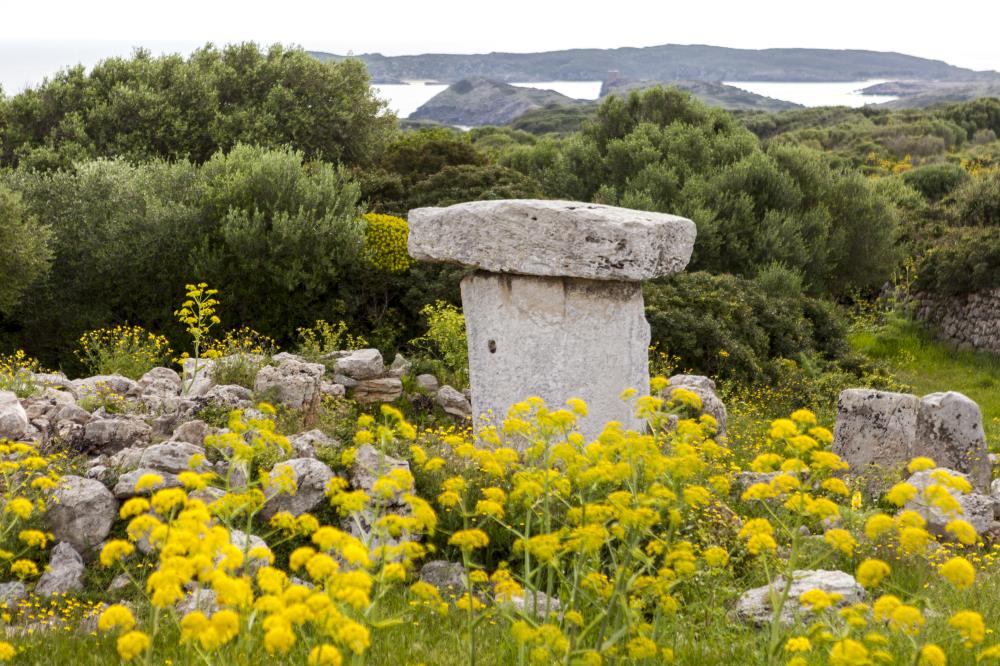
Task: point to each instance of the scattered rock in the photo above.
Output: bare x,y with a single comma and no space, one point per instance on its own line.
73,413
386,389
704,388
370,464
192,431
332,389
361,364
201,599
11,593
119,583
125,487
108,435
447,577
304,444
755,605
161,381
297,383
977,509
427,383
281,357
208,494
13,418
400,366
103,384
230,396
536,604
56,380
169,457
81,512
247,543
64,573
200,383
345,381
453,402
950,431
744,480
311,477
58,397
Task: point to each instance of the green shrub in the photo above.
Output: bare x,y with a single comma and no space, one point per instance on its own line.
239,355
727,327
778,280
977,203
145,107
935,181
965,260
279,236
661,150
25,252
322,338
455,184
446,339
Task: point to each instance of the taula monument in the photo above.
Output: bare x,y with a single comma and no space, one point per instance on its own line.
554,308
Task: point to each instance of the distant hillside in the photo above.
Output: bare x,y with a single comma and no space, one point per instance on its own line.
479,101
712,94
921,94
669,62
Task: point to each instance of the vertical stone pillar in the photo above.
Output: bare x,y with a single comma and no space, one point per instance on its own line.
555,308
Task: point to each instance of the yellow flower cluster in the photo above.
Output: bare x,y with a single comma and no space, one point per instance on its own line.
127,350
244,341
385,243
16,373
26,478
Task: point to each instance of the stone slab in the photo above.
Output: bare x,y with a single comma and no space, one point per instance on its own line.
556,338
553,238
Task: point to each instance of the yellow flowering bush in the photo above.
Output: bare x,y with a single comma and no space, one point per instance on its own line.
239,355
348,567
16,373
624,548
26,479
197,314
323,338
385,243
130,351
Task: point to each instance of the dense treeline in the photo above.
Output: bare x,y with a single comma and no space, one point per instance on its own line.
175,108
662,151
251,170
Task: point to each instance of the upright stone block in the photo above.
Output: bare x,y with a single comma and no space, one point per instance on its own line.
555,338
556,309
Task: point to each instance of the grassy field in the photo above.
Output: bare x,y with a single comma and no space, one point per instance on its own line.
929,365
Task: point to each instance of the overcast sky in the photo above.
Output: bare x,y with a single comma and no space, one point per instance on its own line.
38,37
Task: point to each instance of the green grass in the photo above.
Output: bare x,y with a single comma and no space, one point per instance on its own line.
929,366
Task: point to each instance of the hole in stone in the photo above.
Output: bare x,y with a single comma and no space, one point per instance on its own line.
492,345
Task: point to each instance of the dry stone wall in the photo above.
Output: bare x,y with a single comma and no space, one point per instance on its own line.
971,320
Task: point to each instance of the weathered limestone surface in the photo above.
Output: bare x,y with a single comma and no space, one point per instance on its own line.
874,433
556,338
950,430
878,433
553,238
755,605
